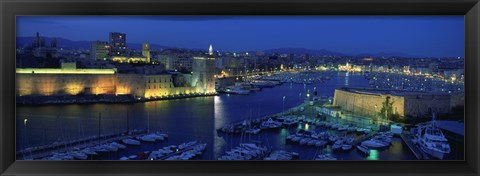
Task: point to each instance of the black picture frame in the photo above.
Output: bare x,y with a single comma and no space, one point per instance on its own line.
9,9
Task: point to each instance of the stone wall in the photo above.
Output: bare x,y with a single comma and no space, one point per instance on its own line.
48,84
138,85
365,103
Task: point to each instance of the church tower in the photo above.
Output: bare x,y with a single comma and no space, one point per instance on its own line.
146,51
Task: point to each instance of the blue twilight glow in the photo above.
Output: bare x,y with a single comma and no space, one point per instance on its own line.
437,36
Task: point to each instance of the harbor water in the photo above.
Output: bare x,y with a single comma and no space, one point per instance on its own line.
192,119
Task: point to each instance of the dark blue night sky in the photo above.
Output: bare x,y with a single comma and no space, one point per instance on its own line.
437,36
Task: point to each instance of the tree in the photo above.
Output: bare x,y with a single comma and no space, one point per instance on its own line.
387,108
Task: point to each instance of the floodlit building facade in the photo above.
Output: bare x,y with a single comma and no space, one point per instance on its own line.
73,81
369,102
203,72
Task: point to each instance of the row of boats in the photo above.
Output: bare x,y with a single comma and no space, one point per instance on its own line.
246,151
380,140
344,127
244,88
184,151
76,153
84,153
256,125
304,77
282,155
322,139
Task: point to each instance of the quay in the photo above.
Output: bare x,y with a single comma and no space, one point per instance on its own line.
91,99
418,154
363,138
46,150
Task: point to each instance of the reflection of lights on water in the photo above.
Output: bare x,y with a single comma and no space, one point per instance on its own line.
306,126
373,155
299,126
346,79
328,149
283,135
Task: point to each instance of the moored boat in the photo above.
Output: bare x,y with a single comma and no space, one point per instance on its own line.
364,150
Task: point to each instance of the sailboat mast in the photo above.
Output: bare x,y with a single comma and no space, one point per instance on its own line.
99,124
128,124
148,122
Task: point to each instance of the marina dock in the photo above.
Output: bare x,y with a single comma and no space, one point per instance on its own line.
43,151
368,136
419,154
177,152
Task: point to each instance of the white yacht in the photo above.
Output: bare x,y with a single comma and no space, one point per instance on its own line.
130,141
364,150
253,131
431,140
374,143
237,90
271,124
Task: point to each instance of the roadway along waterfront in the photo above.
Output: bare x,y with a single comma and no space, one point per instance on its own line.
191,119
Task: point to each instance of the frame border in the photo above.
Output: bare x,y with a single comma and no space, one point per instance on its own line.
10,9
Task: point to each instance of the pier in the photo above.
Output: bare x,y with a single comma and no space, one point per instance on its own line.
368,136
418,154
178,152
46,150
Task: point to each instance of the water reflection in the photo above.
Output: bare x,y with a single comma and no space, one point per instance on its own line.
187,119
283,135
374,155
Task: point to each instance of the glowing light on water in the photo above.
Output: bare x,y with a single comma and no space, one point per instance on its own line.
283,135
306,126
373,155
299,126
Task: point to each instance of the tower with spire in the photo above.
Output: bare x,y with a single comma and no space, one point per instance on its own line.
210,50
203,69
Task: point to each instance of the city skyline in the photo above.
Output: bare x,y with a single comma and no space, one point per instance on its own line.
417,36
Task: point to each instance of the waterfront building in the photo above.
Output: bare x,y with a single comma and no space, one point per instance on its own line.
133,59
144,58
406,69
99,50
369,102
118,44
150,83
65,80
350,68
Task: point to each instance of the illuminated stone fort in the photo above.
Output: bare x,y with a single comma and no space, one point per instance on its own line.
203,69
70,80
368,102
